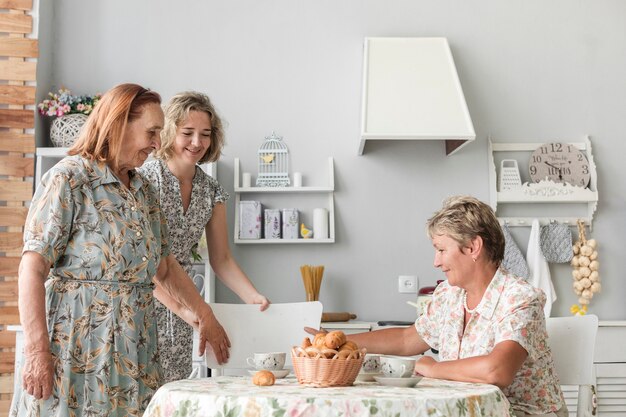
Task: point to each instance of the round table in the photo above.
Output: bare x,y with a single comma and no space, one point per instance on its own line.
238,397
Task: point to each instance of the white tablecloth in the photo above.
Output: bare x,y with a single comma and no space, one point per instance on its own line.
238,397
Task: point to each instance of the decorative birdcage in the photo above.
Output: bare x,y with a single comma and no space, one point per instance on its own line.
273,163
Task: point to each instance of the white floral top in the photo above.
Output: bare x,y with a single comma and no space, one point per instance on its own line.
511,309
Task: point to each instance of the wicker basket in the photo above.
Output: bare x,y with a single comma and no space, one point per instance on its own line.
66,129
321,372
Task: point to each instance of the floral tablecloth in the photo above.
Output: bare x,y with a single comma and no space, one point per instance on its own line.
238,397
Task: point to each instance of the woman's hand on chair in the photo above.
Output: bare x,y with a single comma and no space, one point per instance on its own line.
312,331
262,300
212,332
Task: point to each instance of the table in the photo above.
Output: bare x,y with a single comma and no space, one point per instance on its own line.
237,397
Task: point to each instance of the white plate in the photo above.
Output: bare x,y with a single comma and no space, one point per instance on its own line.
366,376
280,373
398,382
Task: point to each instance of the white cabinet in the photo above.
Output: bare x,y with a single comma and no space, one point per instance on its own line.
268,194
546,200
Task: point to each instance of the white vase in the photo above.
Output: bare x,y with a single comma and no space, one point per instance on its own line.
65,129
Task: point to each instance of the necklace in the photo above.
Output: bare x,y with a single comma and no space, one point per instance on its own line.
471,311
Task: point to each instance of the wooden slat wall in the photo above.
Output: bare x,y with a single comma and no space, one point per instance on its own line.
18,64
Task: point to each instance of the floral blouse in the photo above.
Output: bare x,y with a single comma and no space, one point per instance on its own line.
511,309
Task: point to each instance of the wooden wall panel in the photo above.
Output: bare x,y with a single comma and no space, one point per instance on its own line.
17,110
17,166
17,142
17,94
12,216
15,23
19,47
16,4
20,119
15,190
18,70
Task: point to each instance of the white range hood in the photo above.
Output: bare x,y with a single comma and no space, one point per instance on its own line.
411,91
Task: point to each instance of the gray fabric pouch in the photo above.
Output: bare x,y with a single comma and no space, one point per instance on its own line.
513,261
556,243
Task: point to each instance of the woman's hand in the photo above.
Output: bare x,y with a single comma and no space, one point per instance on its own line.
312,331
38,375
261,299
211,331
423,365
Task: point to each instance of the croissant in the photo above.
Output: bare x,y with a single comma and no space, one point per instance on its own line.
349,346
334,339
306,343
263,378
319,341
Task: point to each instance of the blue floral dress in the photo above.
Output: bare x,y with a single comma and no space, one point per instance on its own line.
185,228
104,243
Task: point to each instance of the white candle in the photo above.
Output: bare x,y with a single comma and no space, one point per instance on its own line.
320,223
297,179
246,180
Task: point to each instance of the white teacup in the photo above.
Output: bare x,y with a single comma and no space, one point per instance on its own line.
397,366
271,361
371,363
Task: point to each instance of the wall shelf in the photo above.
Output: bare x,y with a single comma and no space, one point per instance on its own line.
545,193
268,192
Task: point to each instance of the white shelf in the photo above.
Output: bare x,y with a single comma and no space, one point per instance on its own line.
322,189
544,192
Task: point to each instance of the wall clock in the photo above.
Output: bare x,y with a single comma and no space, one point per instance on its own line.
560,162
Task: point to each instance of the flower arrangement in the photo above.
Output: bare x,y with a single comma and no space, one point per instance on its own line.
63,102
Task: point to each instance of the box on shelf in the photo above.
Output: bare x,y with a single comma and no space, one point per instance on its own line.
250,214
272,224
291,219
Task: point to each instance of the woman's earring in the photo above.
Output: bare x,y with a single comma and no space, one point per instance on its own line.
473,259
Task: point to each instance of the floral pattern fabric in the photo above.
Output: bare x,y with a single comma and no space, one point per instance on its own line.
104,243
238,397
511,309
175,335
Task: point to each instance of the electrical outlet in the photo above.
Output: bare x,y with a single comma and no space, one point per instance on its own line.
407,284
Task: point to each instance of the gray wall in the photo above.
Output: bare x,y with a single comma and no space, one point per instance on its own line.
531,71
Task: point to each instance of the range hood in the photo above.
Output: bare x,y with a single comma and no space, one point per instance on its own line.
411,91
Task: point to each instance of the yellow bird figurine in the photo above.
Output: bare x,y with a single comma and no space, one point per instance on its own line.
306,233
268,159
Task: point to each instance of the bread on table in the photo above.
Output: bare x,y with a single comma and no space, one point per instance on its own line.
263,378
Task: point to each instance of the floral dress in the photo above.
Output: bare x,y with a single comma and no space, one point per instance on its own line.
511,309
104,243
176,336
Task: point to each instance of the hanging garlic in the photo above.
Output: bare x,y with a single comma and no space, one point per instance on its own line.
585,269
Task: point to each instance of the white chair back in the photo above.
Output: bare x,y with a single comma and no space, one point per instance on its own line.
276,329
572,341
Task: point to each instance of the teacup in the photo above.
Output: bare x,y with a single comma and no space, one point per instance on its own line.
397,366
271,361
371,363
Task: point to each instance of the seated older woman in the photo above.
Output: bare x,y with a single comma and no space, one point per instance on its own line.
487,324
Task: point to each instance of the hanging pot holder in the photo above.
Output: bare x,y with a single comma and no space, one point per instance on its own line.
513,261
556,243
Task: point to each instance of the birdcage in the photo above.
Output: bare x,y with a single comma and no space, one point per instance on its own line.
273,163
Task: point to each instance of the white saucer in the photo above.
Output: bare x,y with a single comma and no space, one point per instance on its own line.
366,376
398,382
279,373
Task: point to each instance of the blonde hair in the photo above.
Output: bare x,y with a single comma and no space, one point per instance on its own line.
101,137
177,110
463,218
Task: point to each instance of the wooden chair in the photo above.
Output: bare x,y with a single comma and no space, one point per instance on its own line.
572,341
276,329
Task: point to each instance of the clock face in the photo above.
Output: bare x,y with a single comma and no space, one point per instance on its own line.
560,162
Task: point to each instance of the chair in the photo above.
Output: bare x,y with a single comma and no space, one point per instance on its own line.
276,329
572,341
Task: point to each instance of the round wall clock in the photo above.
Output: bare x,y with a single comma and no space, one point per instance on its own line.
560,162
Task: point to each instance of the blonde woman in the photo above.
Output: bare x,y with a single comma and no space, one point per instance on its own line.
193,202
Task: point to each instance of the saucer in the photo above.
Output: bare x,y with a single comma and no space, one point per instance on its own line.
278,373
398,382
366,376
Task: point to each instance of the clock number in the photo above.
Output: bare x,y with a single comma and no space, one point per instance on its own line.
585,169
579,157
544,150
536,158
533,170
557,147
566,170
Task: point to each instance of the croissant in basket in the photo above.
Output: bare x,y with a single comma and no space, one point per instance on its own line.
316,365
